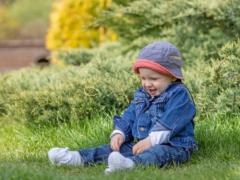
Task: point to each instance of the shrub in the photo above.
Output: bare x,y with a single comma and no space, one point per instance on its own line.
216,86
65,94
55,95
78,56
74,56
198,28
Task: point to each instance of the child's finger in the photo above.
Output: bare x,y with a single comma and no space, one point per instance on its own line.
113,145
116,148
139,151
116,142
135,149
117,145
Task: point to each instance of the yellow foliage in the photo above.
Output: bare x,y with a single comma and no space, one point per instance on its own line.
70,24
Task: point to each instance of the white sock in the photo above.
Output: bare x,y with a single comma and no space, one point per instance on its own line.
117,162
62,156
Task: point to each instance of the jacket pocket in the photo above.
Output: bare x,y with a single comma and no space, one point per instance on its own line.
144,125
139,104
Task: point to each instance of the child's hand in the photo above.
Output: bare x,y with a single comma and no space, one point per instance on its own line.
116,142
141,146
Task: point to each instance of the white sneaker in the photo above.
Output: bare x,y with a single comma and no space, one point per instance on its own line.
117,162
62,156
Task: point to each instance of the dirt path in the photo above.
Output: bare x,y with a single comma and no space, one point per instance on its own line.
18,54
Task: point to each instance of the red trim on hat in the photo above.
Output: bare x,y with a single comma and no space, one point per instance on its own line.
152,65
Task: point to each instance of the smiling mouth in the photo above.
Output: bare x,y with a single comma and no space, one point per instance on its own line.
151,91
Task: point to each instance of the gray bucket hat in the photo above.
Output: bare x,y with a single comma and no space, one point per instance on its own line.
162,57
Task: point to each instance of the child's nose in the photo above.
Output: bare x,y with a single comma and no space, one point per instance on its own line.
147,83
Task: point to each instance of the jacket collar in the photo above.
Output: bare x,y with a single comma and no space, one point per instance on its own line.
142,94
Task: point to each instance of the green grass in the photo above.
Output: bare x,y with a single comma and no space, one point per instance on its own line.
23,151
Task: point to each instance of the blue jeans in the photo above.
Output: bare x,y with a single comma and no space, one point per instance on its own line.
158,155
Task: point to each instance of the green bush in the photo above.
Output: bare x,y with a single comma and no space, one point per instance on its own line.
64,94
55,95
216,86
198,28
74,56
78,56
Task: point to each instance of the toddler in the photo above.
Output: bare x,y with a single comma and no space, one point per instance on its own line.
157,127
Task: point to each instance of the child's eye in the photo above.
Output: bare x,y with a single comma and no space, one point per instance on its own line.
153,79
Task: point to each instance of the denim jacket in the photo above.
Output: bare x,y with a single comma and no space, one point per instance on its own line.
173,109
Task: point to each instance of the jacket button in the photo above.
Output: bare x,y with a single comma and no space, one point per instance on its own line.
142,129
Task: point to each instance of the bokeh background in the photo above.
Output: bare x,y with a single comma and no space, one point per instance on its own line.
23,28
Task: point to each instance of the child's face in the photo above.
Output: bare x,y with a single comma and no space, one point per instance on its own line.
153,82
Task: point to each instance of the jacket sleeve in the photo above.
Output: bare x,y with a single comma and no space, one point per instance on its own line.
179,111
124,123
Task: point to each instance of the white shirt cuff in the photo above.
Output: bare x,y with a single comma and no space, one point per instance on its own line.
159,137
116,131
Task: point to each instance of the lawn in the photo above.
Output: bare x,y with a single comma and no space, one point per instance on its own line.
24,151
